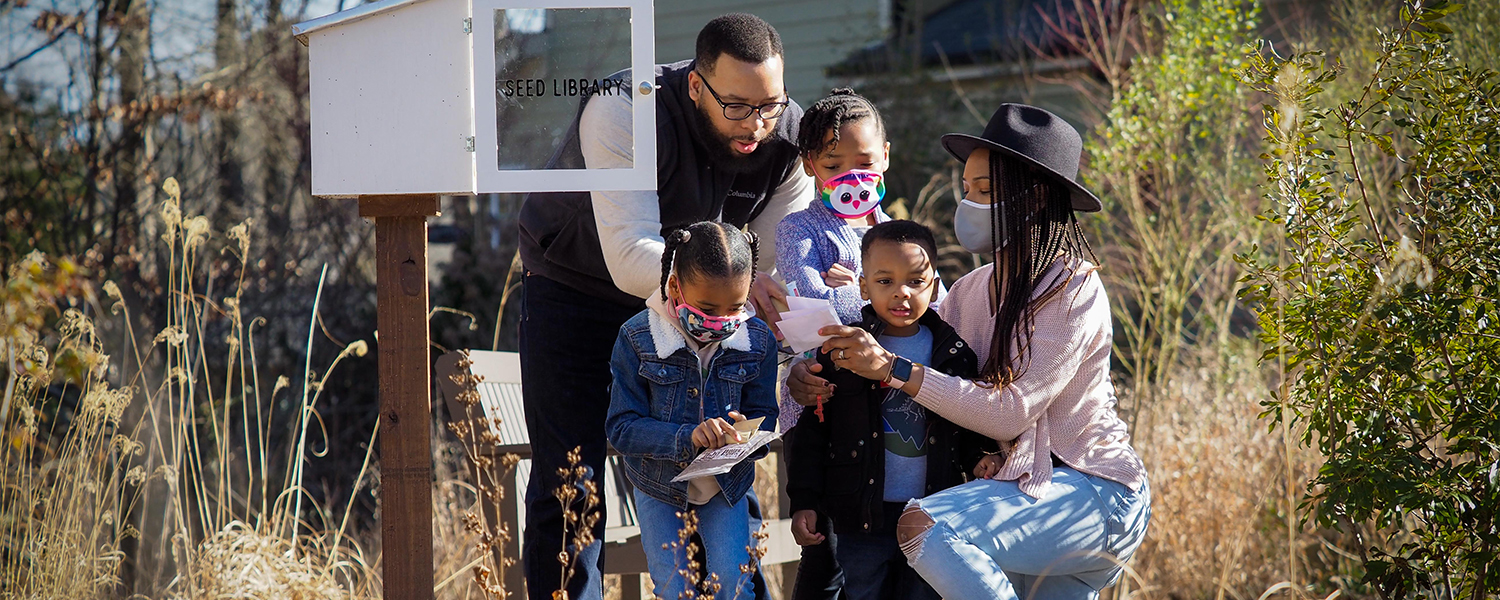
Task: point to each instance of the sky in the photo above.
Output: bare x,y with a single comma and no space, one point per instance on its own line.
181,34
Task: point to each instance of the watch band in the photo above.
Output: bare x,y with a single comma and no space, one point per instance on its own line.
900,373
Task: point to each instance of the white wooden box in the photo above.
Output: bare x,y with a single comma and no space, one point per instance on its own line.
404,94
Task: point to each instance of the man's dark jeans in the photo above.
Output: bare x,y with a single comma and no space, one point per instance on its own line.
566,341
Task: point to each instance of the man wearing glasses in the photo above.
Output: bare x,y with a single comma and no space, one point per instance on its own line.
725,131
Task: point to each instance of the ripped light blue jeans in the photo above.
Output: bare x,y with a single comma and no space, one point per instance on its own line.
991,540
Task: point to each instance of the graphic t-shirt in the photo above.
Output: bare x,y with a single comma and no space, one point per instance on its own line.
905,424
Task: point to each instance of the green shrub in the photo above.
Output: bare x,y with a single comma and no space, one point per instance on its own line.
1173,161
1382,327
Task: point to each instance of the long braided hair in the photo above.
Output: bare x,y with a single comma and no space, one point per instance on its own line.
709,249
840,107
1035,215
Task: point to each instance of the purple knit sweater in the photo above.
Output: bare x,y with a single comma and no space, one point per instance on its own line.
811,241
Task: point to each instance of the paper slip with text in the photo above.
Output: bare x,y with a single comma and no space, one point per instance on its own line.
720,461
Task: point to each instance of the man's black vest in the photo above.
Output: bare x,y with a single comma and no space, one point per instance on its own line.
558,237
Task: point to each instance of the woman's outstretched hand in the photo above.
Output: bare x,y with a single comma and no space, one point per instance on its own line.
806,387
855,349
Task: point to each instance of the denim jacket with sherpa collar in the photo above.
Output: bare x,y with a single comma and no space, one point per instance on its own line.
659,394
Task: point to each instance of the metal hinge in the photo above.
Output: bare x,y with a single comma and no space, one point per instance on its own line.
469,143
469,25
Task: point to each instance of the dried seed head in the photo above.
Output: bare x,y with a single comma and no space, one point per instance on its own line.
1411,266
136,475
172,335
357,348
194,232
240,235
174,191
75,324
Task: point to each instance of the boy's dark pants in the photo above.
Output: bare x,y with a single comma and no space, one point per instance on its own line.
566,341
818,573
876,569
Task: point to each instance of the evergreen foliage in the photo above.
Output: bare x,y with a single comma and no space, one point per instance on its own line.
1381,327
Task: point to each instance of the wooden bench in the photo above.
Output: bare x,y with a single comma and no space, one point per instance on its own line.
500,397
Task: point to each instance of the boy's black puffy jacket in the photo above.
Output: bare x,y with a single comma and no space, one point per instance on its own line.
838,465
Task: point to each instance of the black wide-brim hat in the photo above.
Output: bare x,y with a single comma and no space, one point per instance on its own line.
1037,138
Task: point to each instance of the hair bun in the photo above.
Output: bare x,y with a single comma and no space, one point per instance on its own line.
843,91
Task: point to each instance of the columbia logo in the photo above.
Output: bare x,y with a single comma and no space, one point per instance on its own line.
746,195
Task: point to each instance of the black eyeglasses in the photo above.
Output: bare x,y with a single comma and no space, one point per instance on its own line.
739,111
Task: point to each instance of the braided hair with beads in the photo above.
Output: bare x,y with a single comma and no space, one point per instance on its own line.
709,249
839,108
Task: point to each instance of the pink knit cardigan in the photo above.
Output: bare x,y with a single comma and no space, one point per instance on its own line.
1062,404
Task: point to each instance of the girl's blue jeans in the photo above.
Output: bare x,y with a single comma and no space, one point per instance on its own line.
725,532
991,540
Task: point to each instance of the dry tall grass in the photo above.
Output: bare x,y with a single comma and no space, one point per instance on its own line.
166,486
61,521
1220,482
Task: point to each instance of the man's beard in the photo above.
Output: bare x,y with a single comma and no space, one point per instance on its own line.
722,155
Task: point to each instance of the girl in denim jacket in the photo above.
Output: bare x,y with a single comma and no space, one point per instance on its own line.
685,369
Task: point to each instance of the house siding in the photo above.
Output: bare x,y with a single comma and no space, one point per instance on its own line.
815,33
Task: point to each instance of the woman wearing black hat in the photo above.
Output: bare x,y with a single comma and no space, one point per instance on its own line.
1057,514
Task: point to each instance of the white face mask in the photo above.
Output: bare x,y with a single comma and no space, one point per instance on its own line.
971,223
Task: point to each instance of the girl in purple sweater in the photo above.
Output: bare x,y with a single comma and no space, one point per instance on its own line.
843,145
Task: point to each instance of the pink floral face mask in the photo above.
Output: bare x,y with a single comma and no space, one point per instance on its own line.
707,329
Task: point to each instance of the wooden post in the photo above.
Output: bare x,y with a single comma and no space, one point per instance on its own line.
405,391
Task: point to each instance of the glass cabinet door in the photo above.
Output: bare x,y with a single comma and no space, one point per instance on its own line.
534,66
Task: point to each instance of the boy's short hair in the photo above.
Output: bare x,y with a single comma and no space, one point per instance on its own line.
743,36
902,232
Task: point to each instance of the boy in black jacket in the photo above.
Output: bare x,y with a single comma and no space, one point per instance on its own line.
873,448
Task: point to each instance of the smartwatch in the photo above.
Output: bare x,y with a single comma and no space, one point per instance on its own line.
900,373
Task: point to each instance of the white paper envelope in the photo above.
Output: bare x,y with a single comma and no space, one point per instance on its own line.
801,307
801,329
792,314
798,303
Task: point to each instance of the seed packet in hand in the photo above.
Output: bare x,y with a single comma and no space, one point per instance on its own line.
799,327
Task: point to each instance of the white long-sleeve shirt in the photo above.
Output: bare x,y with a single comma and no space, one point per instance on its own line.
629,223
